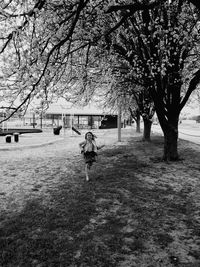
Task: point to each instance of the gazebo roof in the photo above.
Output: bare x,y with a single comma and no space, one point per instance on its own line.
71,109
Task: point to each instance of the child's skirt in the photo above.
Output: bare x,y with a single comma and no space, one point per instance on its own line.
90,157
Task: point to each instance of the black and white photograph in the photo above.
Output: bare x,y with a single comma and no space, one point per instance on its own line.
99,133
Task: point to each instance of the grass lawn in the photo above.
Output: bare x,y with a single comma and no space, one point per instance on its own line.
136,211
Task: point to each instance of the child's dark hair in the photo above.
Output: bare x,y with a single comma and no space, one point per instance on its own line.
89,133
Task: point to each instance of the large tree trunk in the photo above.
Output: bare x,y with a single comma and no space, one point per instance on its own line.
138,130
147,130
171,144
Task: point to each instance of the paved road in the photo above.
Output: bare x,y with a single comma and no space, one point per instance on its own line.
188,130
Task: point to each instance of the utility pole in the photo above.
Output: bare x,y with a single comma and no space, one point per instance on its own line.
41,113
41,120
119,121
33,120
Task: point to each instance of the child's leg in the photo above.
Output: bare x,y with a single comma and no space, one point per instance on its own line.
86,171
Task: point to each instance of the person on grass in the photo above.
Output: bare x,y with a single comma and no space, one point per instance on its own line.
89,150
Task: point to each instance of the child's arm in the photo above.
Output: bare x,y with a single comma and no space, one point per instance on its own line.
100,147
81,145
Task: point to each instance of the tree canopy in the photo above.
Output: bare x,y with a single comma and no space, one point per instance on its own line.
50,48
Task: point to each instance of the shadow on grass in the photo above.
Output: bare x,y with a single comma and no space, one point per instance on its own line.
115,217
45,235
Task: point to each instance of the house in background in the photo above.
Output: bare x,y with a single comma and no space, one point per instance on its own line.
87,117
64,114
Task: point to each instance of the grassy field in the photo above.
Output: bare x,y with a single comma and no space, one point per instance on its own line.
136,211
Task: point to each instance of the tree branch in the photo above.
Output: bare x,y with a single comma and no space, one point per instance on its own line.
195,3
192,86
39,5
132,7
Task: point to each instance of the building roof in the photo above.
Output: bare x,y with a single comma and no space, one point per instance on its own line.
71,109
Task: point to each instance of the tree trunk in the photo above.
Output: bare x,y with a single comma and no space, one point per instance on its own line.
171,144
138,130
138,126
147,130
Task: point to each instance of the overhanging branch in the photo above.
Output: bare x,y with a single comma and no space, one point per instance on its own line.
192,86
132,7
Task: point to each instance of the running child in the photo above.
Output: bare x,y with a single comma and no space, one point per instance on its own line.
89,151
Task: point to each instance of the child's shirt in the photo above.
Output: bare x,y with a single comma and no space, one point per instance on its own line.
89,146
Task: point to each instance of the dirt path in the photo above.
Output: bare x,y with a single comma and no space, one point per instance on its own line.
135,212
